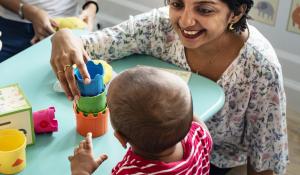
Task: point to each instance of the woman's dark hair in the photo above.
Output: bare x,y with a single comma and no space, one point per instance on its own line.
234,6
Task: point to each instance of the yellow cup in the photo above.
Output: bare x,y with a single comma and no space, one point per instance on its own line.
12,151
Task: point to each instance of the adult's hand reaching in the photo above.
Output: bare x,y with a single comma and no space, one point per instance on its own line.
67,50
43,25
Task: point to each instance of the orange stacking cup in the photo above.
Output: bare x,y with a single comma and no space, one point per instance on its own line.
94,123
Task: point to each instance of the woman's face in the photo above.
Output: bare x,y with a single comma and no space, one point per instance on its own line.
198,22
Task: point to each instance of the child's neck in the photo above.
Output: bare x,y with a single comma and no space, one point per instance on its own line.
172,154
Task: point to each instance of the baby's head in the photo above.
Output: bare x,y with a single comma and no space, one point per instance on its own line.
151,108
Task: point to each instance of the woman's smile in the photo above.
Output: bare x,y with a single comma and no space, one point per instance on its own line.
192,34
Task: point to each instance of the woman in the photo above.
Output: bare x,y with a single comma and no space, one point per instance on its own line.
213,39
26,22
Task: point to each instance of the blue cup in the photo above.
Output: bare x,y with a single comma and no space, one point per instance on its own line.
96,85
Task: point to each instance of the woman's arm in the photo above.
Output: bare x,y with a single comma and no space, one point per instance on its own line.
88,13
266,130
43,25
139,34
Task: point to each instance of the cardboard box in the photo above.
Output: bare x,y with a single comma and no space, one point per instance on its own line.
16,111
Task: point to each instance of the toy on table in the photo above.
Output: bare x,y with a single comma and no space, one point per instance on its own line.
109,74
16,112
44,121
12,151
96,86
70,23
91,110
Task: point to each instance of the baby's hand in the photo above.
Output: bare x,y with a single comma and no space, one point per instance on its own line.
83,162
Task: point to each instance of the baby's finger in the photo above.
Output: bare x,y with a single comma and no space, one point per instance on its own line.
76,150
101,159
70,158
81,145
88,140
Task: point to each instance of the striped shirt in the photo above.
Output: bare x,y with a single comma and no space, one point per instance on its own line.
196,145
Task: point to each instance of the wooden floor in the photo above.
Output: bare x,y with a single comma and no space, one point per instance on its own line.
293,123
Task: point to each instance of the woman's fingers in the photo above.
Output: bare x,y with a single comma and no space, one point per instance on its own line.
70,81
68,50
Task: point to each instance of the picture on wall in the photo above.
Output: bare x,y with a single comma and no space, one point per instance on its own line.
294,18
265,11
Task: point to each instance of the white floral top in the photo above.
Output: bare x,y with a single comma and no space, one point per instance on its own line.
252,122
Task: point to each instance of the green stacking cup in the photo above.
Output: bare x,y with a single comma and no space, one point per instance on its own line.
92,104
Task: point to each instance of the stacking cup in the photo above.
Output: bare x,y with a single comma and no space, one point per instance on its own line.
92,104
44,121
12,151
96,86
96,123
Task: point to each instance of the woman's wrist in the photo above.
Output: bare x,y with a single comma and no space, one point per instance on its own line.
28,11
91,6
91,10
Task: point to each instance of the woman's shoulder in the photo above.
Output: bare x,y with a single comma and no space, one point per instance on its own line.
260,58
161,13
261,50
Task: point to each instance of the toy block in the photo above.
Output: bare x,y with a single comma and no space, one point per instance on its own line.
16,111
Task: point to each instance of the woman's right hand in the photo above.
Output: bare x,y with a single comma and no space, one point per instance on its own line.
67,50
43,25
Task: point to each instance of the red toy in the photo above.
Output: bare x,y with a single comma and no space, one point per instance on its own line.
44,121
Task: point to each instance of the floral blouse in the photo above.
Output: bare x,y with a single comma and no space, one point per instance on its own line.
252,123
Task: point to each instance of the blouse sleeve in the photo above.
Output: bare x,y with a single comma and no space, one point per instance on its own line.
266,130
138,35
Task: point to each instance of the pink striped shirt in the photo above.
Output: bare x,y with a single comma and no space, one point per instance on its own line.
197,146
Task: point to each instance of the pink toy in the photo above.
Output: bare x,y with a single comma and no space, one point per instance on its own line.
44,121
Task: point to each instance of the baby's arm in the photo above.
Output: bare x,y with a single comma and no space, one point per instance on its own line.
195,119
83,162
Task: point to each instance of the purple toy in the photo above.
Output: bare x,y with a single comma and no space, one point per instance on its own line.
44,121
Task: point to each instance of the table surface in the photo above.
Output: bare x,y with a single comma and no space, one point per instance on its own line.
32,71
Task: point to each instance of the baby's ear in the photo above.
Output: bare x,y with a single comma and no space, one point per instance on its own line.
121,139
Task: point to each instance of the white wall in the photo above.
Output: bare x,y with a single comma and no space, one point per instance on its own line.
286,44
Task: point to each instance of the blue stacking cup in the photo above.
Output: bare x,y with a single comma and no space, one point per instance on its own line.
96,85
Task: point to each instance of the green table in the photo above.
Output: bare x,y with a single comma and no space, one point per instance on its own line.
32,71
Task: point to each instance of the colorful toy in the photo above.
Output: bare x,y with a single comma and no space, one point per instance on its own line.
44,121
108,72
90,110
16,112
12,151
95,123
96,85
108,75
70,23
92,104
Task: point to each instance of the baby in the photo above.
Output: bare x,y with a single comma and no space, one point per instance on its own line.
152,110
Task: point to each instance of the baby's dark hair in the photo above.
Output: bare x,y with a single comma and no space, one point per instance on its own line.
234,6
150,107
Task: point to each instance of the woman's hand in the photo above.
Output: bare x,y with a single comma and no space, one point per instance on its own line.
67,50
88,15
43,26
83,162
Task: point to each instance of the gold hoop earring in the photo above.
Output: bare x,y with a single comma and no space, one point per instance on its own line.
231,28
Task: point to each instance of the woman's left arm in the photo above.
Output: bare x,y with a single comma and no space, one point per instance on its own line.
266,130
